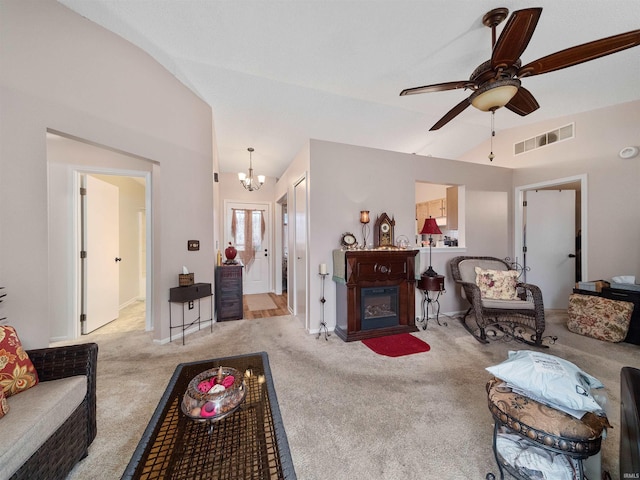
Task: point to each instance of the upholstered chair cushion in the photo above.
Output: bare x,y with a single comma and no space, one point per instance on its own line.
598,317
543,424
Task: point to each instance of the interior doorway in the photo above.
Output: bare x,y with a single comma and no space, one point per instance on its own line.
68,159
104,295
547,256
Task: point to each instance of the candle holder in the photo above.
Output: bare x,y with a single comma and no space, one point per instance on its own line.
323,324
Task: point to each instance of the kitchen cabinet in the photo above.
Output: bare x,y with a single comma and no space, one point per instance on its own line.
432,208
452,208
422,212
437,207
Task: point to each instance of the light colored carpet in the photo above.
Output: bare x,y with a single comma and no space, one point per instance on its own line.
349,413
259,301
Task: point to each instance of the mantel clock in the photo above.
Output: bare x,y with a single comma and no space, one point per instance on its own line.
383,231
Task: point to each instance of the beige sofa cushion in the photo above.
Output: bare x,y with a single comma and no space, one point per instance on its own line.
34,415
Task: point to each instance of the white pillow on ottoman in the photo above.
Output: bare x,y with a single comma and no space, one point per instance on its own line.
552,379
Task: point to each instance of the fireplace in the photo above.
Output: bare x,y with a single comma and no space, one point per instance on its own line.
379,307
375,293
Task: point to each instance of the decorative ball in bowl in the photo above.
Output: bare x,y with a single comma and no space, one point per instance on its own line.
214,394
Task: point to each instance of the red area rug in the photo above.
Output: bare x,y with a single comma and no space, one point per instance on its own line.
397,345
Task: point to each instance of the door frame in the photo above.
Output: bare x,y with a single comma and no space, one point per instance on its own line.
278,253
296,308
226,233
75,234
519,214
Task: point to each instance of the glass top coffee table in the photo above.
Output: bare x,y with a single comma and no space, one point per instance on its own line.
250,443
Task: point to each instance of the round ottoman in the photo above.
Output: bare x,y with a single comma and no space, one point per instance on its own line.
545,428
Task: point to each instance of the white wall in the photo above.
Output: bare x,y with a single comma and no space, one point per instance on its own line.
613,184
62,72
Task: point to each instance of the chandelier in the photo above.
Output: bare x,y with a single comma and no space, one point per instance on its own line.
248,181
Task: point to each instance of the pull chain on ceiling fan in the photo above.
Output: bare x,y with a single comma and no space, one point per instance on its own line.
497,82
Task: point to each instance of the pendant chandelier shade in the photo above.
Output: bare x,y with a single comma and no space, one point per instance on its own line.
250,182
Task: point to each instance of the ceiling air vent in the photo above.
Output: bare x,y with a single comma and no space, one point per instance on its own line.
544,139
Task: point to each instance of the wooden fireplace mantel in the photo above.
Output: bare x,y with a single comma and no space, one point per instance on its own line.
375,268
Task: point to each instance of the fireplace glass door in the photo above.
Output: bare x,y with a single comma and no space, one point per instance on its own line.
379,307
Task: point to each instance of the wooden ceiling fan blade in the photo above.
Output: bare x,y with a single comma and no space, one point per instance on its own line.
523,102
438,87
515,37
451,114
581,53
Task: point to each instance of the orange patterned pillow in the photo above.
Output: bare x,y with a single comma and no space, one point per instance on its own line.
17,373
4,406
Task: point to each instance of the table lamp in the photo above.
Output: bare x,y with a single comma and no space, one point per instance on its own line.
430,227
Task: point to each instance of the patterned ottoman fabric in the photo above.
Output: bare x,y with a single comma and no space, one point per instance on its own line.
599,317
545,425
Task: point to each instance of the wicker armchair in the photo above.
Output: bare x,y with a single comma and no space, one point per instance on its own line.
521,319
70,443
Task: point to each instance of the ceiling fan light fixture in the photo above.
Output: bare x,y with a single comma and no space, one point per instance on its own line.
494,95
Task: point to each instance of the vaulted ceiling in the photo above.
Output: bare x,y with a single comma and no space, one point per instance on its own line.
277,73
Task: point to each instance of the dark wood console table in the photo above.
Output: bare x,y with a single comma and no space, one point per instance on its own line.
189,294
374,281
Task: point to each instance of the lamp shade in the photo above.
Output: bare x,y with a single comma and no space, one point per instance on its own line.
430,227
364,216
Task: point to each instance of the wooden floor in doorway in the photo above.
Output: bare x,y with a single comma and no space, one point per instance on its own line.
281,304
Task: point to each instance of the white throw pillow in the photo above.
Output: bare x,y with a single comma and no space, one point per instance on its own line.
550,378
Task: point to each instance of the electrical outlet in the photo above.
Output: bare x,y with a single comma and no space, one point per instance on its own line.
191,305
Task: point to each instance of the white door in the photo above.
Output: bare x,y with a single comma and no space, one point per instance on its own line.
100,267
300,265
550,244
251,220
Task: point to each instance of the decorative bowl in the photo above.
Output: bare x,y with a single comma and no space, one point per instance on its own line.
214,394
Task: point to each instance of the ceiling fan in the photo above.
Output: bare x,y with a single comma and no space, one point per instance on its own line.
496,82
